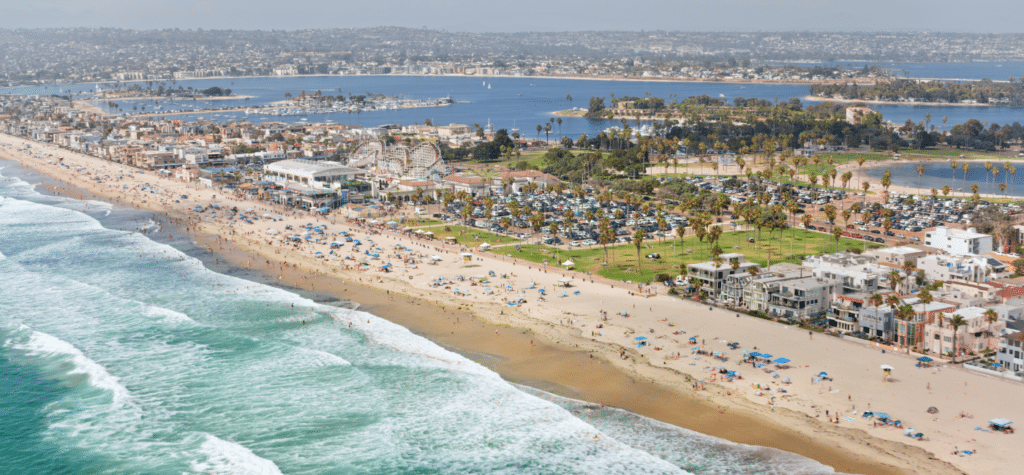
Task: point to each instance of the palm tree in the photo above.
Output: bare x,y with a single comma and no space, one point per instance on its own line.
990,317
920,174
539,129
966,167
995,175
1010,171
638,242
988,168
953,164
894,279
956,321
860,167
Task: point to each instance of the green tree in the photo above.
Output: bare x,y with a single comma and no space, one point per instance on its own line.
638,242
956,321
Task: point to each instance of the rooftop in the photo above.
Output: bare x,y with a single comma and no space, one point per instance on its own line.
310,167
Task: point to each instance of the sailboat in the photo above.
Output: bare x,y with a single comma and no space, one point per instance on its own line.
484,82
488,86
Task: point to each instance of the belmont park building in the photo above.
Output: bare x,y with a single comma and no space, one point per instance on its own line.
396,171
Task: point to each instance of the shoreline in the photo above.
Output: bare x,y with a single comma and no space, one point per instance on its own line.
797,420
894,103
509,351
859,81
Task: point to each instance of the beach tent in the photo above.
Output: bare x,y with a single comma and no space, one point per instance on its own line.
1002,424
569,263
485,246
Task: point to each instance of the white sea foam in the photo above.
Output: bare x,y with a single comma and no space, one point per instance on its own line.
399,338
39,343
321,358
169,315
229,458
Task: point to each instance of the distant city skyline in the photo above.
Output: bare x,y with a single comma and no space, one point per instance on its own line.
526,15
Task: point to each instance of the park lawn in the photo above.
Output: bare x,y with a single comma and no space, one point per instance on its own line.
470,236
413,222
622,259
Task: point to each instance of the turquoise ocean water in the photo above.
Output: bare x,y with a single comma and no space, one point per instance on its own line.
123,355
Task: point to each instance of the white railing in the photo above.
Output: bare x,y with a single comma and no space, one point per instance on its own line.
999,374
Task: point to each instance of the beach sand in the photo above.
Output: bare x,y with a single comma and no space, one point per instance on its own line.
565,337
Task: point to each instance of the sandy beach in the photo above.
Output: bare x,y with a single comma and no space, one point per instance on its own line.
571,347
895,103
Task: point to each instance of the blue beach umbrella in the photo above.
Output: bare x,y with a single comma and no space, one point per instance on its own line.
781,360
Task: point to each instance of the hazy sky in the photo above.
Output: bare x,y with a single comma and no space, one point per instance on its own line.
522,15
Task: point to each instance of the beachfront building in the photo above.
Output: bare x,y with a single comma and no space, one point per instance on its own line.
909,333
877,321
713,278
976,335
758,290
159,159
896,256
802,298
958,241
844,314
854,272
312,174
1011,351
961,268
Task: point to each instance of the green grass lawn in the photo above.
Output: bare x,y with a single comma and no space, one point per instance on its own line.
622,259
470,236
414,222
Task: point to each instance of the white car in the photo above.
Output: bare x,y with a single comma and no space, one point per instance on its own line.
574,243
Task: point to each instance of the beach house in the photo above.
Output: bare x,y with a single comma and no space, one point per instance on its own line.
712,276
977,334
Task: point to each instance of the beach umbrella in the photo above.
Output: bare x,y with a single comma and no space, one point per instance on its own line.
640,338
822,374
785,379
885,366
754,354
565,279
569,263
766,356
924,359
997,365
882,415
781,360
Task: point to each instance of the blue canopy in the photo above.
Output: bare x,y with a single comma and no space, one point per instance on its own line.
781,360
766,356
640,338
822,374
754,354
882,415
924,359
1000,422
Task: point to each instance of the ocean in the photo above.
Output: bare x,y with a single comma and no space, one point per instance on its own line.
120,354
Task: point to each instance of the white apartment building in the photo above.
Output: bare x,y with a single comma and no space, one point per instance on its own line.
958,241
963,268
854,272
712,278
